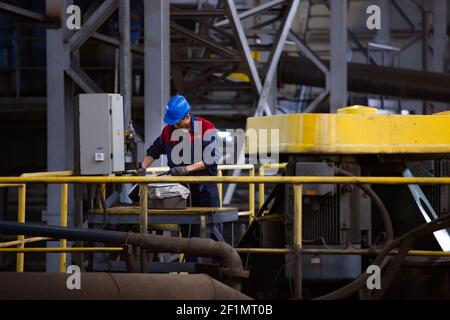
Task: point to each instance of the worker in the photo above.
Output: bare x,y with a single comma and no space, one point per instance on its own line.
178,116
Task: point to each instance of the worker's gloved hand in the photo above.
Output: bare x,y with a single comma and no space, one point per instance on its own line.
179,171
141,172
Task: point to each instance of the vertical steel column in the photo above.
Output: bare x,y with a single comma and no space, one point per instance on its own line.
60,115
384,34
338,63
157,66
298,236
125,59
439,41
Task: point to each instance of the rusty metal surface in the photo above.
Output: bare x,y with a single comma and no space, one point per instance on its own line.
114,286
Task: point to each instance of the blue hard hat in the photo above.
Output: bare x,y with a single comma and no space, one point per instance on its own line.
176,110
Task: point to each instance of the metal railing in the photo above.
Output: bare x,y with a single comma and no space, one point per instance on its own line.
20,250
298,183
262,170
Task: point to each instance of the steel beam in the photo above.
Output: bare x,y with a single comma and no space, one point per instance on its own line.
308,52
157,66
9,8
384,34
243,45
93,23
209,43
60,118
440,34
251,12
338,63
82,79
125,59
274,58
115,42
440,39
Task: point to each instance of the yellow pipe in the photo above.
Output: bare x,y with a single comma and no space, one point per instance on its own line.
63,223
219,187
59,250
17,242
235,167
261,190
21,219
143,217
416,253
298,216
251,196
48,174
231,179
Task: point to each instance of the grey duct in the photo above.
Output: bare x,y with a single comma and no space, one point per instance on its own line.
114,286
395,82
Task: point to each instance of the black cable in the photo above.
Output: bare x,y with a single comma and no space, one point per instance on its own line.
384,214
443,222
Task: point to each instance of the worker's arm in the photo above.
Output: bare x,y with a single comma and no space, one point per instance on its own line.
148,160
198,166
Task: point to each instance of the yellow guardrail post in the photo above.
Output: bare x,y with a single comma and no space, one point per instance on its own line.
21,214
63,223
298,225
251,197
219,187
21,219
261,188
262,170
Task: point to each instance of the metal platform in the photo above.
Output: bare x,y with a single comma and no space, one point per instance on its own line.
205,217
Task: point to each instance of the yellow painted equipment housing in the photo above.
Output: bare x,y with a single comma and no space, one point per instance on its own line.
354,130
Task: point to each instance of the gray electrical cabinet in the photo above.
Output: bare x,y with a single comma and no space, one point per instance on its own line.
101,134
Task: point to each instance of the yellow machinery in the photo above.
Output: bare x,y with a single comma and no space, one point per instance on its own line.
357,130
357,141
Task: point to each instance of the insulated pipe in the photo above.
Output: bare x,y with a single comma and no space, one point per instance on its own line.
365,78
114,286
189,246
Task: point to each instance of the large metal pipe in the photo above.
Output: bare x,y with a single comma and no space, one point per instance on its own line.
365,78
190,246
114,286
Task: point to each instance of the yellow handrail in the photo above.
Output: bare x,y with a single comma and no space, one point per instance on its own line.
63,223
17,242
65,179
262,170
21,203
251,186
21,212
62,250
231,179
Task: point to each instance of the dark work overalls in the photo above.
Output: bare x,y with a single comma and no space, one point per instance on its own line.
202,194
